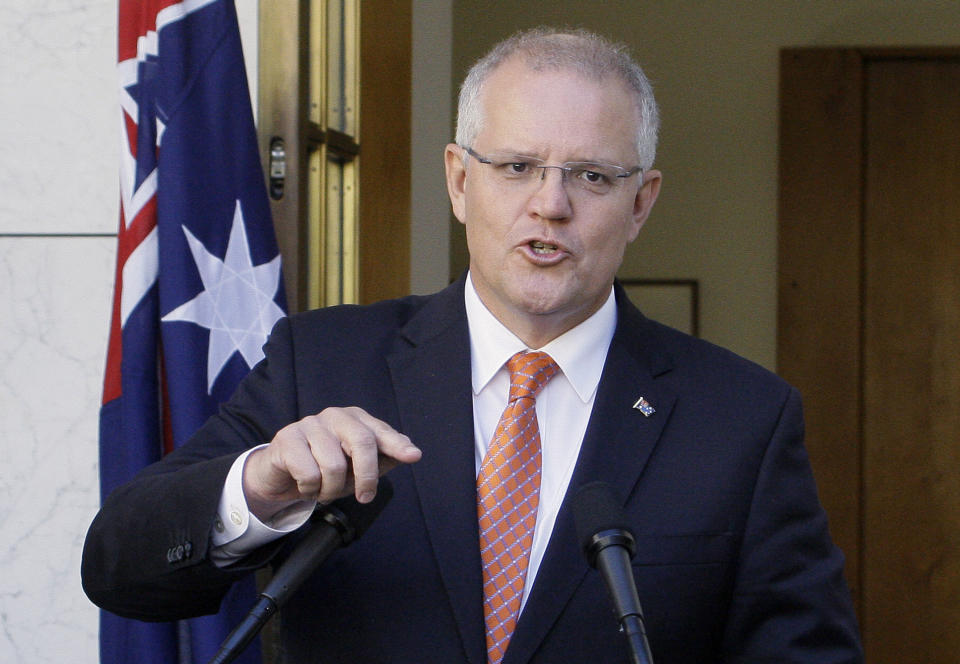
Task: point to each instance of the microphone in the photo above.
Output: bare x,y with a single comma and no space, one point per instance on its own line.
335,525
608,545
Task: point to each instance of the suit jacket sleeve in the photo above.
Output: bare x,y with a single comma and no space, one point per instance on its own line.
146,552
790,601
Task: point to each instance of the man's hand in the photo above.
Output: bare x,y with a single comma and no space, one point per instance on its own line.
323,457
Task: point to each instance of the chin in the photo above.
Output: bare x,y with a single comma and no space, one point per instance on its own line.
541,304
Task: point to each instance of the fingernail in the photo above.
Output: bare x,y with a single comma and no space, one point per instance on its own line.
365,497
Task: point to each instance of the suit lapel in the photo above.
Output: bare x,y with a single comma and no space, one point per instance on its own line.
616,447
431,375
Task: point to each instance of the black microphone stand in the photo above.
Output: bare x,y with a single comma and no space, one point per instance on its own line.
608,545
332,529
319,543
613,550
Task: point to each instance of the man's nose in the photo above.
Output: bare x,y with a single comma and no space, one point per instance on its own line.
551,200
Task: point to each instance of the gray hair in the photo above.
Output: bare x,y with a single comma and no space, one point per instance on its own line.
549,49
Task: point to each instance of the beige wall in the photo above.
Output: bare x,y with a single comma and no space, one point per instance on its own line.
714,66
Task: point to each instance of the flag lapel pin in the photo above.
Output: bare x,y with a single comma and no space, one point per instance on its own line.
644,407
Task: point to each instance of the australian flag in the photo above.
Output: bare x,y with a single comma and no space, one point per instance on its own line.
198,281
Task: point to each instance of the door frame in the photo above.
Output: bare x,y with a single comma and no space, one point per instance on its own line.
383,142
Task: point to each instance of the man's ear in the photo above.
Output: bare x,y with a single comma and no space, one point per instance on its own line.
456,179
646,197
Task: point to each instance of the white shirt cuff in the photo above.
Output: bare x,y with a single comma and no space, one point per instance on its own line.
236,532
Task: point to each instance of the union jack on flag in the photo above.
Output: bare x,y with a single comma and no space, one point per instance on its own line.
198,281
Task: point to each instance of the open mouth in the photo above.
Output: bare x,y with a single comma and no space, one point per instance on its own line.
543,248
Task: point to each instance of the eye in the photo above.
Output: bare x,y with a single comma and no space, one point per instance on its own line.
512,167
592,176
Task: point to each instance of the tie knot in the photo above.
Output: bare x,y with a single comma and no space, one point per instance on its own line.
529,372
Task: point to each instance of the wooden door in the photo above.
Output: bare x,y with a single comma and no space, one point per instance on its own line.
869,325
334,101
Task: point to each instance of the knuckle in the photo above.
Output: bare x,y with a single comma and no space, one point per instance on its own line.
316,420
308,487
364,440
335,465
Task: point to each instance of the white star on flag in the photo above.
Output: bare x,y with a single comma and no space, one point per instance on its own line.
236,304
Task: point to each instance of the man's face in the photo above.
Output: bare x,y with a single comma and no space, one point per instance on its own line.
543,254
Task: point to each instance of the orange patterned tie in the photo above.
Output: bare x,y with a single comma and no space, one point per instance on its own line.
508,492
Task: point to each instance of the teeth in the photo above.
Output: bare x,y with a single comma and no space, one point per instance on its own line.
543,248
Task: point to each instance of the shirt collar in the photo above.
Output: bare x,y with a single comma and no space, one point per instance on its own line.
579,352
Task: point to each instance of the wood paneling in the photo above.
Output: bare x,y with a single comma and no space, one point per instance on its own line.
869,325
385,63
911,306
818,327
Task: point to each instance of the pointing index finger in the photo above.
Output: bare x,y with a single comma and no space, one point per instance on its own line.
374,447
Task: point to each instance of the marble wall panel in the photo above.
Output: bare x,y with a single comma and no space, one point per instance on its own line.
59,129
56,301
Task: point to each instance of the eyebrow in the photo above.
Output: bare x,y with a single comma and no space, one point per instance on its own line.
526,155
514,153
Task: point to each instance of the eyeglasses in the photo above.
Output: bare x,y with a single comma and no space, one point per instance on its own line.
588,176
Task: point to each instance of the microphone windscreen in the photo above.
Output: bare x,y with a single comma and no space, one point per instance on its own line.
352,517
596,509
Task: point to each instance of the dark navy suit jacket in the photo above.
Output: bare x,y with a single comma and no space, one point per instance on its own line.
734,561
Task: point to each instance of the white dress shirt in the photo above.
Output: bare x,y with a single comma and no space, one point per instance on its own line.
563,406
563,411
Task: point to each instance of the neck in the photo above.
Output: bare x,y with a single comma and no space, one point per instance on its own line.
535,330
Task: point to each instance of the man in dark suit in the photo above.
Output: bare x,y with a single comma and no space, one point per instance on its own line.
552,177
